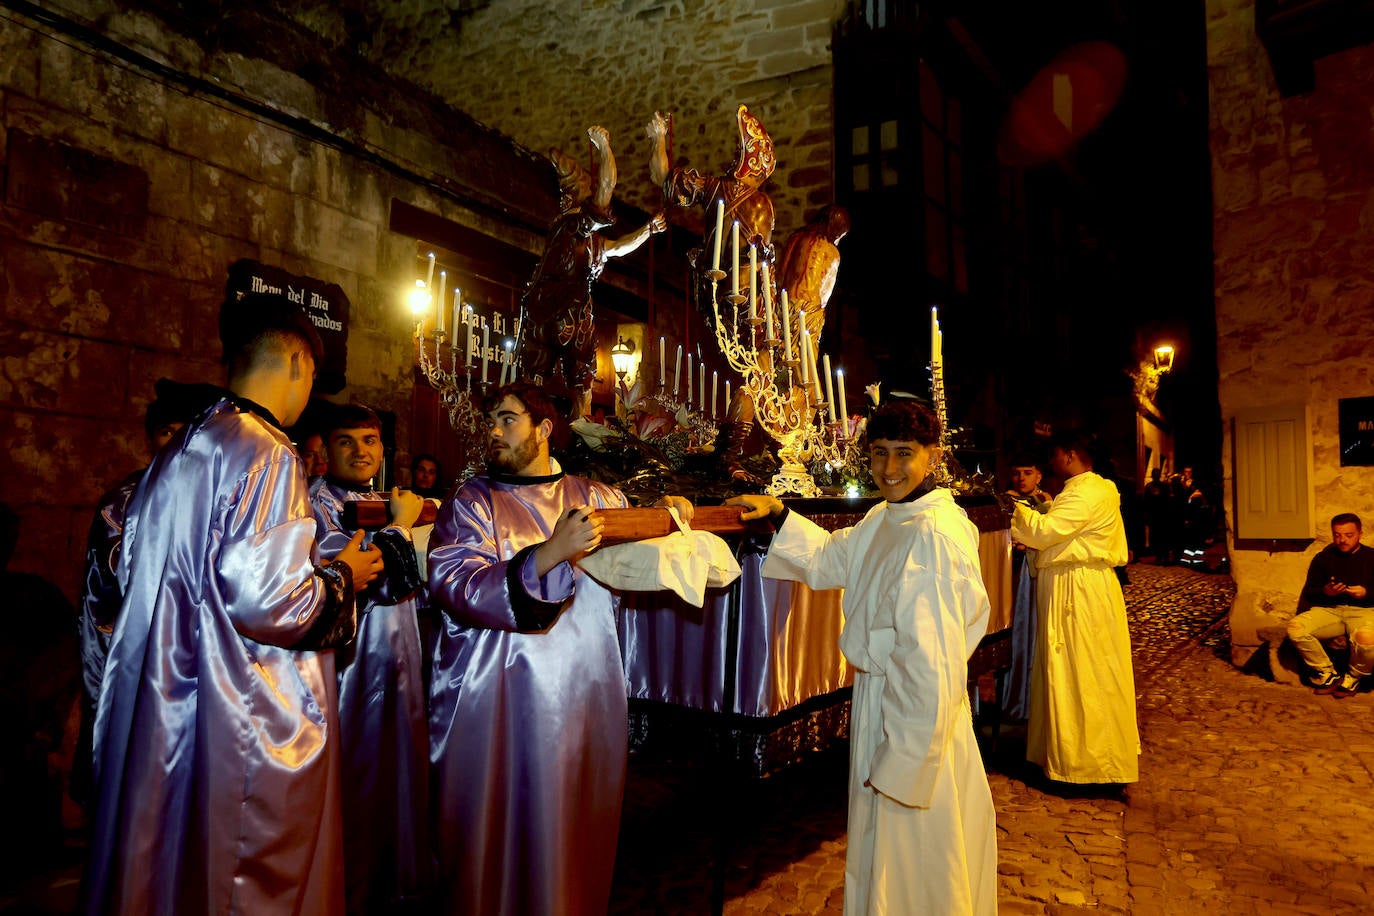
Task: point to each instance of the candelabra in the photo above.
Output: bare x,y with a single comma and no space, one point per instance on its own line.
455,388
793,415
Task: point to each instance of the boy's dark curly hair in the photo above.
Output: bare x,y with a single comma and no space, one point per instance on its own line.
904,421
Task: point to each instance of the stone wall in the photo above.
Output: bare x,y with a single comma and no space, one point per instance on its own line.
1293,186
241,160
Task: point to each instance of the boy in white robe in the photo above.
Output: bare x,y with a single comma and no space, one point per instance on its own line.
922,831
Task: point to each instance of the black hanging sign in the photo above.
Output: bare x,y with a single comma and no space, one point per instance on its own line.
1357,431
324,303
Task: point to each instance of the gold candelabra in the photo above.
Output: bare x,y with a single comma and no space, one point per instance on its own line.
793,414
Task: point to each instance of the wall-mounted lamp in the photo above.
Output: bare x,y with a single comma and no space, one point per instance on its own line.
624,358
1164,358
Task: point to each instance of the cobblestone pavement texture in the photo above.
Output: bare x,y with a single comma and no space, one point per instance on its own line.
1246,804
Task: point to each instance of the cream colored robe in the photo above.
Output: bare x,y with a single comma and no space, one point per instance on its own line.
922,832
1082,717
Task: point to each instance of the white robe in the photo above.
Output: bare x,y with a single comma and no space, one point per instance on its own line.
1082,717
922,833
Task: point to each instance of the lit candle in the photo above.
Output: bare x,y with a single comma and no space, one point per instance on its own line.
805,348
701,370
727,397
486,342
767,303
713,394
815,376
472,339
786,319
829,385
734,258
689,378
844,408
429,277
934,337
439,304
677,370
753,283
715,251
662,362
457,311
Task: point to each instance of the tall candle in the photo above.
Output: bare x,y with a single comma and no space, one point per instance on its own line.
753,282
471,339
662,361
815,376
767,303
844,408
715,251
734,258
689,378
457,312
439,304
677,371
786,318
701,368
829,385
727,397
934,337
713,394
486,342
429,277
805,349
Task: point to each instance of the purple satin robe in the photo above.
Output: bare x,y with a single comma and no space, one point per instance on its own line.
382,730
217,765
527,729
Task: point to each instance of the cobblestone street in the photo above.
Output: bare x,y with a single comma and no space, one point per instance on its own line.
1241,807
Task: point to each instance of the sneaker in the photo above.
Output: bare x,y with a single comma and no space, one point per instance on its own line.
1326,682
1348,687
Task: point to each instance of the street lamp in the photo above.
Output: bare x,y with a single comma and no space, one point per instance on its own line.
623,358
1164,358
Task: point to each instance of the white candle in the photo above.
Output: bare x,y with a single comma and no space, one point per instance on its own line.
934,337
486,342
689,378
844,408
767,303
715,251
734,258
471,340
439,303
727,397
457,312
829,385
429,277
753,283
662,361
713,394
786,319
805,348
677,370
815,376
701,369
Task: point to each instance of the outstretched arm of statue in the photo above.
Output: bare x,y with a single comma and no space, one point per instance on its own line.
618,248
657,132
606,175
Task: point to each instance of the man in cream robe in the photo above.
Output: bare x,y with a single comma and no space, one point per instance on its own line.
1082,716
922,831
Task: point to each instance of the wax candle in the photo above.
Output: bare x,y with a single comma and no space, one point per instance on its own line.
786,318
689,378
662,361
472,339
457,312
934,337
713,394
429,277
734,258
486,342
805,349
439,304
701,369
753,282
815,376
844,408
727,397
715,251
767,303
829,386
677,370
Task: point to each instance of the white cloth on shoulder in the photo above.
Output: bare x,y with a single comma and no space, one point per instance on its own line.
687,562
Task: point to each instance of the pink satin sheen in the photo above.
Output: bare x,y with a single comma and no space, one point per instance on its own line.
527,729
217,769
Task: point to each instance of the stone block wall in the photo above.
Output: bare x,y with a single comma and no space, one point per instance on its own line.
1293,187
240,160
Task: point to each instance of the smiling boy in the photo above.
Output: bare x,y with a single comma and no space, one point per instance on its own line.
922,832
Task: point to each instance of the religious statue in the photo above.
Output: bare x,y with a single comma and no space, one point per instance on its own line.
807,268
741,189
556,330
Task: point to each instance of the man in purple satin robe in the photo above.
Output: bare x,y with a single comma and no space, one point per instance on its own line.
527,703
382,720
216,734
